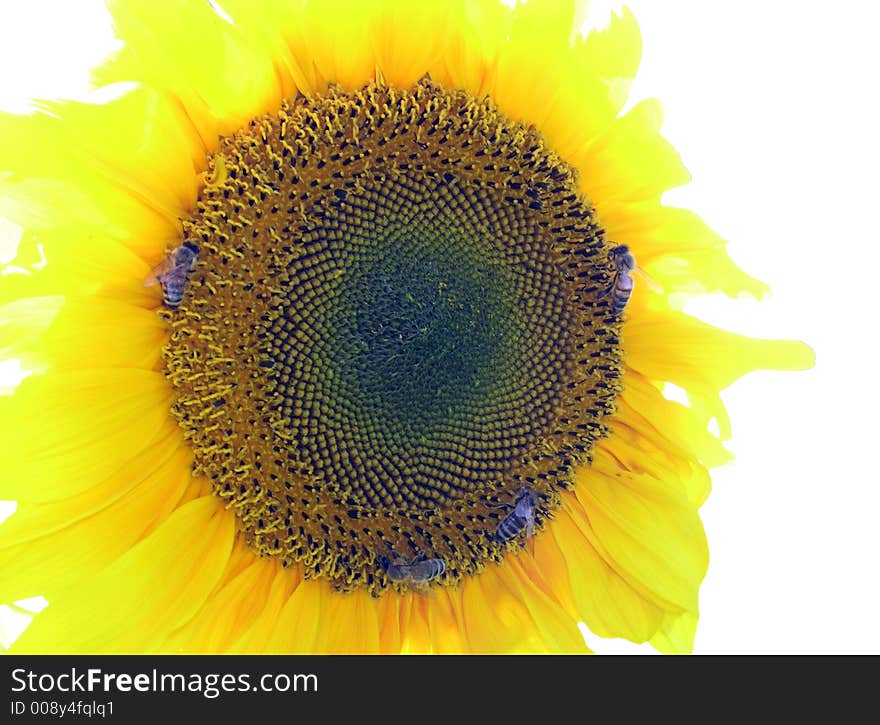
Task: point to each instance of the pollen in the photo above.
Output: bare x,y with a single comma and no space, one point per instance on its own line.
399,320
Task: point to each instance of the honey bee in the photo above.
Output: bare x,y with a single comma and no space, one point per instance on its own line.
622,287
525,507
418,571
174,272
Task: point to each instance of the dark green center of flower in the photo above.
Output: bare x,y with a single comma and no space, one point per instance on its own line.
415,358
422,334
422,331
396,325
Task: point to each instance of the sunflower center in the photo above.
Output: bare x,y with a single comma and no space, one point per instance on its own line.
418,330
398,324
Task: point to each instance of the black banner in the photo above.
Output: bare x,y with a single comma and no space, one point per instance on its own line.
137,688
146,688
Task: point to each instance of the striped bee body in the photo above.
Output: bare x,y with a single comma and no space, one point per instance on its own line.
427,569
417,571
521,518
622,287
174,272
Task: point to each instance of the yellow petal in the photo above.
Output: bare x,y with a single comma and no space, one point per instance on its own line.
650,434
606,602
548,568
676,431
262,27
647,530
220,74
415,625
477,31
62,433
315,39
703,359
49,562
570,87
125,169
78,263
71,333
352,626
32,520
229,612
257,637
631,161
22,325
676,634
608,58
556,628
390,634
154,588
444,622
104,333
410,39
318,620
495,619
298,626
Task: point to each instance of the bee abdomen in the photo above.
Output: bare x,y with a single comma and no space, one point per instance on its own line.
172,298
621,291
509,527
619,301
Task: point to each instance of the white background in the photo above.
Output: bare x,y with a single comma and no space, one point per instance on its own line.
774,108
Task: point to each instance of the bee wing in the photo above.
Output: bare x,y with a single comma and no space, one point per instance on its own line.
419,571
396,567
529,529
424,570
159,271
652,283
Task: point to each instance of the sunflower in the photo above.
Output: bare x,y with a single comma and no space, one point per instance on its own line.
394,390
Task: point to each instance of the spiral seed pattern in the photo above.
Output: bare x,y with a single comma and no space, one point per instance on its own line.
396,322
